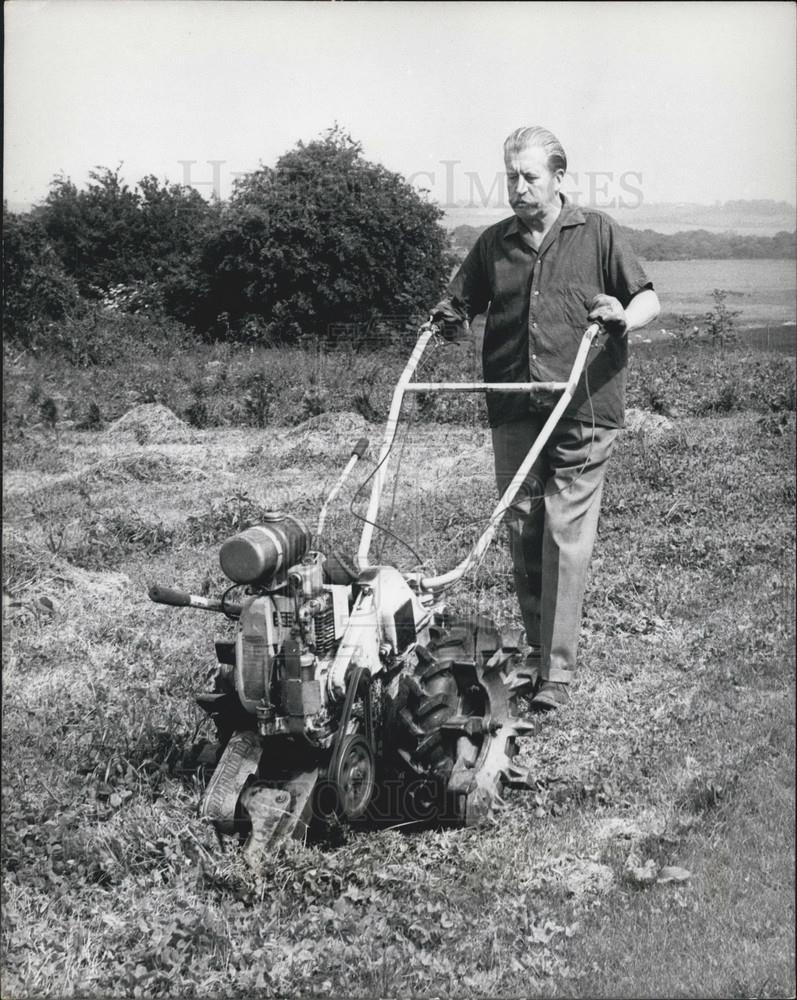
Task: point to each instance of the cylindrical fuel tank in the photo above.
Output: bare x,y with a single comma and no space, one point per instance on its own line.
258,554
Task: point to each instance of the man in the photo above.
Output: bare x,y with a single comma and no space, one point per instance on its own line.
544,274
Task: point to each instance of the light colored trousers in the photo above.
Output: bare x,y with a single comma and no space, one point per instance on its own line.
552,529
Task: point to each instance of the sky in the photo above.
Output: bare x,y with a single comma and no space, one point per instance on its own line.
653,102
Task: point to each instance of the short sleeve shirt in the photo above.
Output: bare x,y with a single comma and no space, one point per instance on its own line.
537,304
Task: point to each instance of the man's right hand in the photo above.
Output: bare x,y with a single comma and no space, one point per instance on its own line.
448,321
609,312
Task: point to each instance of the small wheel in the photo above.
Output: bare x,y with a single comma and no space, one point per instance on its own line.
353,776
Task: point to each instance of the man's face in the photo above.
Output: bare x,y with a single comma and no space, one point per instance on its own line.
532,188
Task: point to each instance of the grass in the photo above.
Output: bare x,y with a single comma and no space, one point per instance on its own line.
729,931
678,748
227,385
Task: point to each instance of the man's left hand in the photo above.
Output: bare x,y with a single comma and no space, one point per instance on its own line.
606,310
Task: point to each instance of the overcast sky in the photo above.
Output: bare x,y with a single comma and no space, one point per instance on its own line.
660,101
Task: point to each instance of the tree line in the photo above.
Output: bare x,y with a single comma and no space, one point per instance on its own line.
324,241
698,244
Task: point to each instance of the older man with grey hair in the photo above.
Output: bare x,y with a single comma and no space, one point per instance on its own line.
541,276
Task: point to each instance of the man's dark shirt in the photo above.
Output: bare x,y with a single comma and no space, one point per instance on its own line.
538,305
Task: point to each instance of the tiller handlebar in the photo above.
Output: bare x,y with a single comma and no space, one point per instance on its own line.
406,385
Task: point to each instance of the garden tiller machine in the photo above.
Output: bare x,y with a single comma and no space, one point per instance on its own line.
344,680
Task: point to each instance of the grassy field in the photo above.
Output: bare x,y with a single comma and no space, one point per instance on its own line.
656,855
763,291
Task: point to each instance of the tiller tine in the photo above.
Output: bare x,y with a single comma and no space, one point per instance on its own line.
277,814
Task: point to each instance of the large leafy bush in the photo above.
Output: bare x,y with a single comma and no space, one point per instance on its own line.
323,245
37,291
112,238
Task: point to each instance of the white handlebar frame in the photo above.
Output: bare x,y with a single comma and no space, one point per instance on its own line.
405,385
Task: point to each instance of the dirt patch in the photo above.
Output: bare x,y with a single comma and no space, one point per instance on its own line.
31,572
646,422
343,422
151,422
152,467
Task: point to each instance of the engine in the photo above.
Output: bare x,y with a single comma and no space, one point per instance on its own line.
298,634
288,627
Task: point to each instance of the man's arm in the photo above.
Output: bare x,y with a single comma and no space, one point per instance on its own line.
643,308
627,282
467,294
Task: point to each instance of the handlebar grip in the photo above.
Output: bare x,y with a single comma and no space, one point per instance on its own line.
167,595
361,447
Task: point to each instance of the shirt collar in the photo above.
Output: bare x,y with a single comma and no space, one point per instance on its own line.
570,215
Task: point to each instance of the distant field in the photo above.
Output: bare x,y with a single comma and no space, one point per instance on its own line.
765,291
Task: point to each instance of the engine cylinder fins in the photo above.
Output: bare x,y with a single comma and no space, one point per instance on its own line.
454,719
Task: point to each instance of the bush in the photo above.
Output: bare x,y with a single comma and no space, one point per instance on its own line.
100,337
128,246
324,246
319,248
37,291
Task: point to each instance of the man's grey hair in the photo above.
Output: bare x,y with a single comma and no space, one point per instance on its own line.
536,135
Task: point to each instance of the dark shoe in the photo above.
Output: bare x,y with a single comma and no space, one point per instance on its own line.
550,695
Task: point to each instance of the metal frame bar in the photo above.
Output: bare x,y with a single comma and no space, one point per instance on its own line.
322,516
485,387
404,385
390,433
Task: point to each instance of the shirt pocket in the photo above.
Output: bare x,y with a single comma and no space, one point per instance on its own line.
576,305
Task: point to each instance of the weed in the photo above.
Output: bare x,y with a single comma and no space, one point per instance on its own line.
147,360
315,399
259,398
704,794
657,397
92,421
48,412
361,401
34,394
721,321
687,332
196,413
224,518
108,538
724,397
